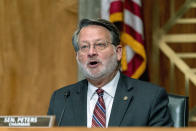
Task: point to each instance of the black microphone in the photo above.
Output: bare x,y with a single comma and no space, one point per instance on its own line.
66,95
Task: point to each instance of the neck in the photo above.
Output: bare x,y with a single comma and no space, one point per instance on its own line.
100,82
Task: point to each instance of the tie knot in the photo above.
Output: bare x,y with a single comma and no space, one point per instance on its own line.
100,92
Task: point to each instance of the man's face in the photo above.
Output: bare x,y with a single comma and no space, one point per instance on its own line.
95,62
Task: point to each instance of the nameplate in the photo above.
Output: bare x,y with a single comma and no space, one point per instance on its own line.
27,121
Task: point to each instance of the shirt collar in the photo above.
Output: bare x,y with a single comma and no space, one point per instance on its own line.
109,88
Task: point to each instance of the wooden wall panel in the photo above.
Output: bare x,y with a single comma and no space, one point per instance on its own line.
178,83
192,101
164,72
179,80
36,54
164,14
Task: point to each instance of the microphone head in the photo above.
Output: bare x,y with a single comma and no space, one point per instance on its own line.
66,93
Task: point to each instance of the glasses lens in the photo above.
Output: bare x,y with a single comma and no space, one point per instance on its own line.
84,47
98,45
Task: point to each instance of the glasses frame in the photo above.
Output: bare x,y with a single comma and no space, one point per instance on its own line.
97,45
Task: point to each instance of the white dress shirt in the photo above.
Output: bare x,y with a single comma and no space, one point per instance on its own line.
92,97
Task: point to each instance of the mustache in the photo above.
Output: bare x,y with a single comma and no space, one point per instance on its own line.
93,60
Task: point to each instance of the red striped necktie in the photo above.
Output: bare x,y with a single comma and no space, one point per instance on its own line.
99,114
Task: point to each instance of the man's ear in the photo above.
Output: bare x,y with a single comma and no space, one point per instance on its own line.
119,52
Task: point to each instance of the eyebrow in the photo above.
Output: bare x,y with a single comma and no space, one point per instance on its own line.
93,41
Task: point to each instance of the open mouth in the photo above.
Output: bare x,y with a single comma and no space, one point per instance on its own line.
93,64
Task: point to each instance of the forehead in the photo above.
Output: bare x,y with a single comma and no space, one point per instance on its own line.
93,32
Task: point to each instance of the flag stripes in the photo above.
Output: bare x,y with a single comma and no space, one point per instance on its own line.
116,11
138,2
133,22
128,12
135,34
135,8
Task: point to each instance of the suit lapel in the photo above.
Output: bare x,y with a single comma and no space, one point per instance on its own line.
122,99
79,104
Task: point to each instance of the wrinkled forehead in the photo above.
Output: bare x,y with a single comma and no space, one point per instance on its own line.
94,32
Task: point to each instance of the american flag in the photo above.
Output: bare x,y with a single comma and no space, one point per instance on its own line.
127,15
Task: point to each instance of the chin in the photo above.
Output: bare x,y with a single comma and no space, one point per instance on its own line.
94,76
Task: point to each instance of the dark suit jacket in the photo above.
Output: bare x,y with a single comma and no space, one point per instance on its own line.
147,104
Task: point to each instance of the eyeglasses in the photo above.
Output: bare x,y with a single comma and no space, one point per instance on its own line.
98,45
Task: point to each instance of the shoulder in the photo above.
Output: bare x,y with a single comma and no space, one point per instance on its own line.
145,94
72,88
141,87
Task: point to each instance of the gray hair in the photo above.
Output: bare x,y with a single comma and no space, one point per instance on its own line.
115,35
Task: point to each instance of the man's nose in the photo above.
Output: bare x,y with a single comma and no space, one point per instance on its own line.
92,51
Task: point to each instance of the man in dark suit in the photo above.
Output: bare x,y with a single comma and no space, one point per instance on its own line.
106,97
